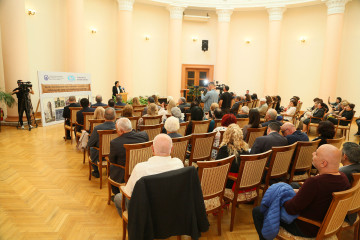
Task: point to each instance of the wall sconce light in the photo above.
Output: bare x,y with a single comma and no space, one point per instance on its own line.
302,39
147,37
93,30
194,39
31,12
247,40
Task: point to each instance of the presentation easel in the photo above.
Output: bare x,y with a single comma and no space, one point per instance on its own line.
123,95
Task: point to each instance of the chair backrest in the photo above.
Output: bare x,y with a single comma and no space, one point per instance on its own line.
105,137
213,176
217,123
187,116
298,106
139,107
118,113
183,127
137,112
303,157
200,126
134,122
73,112
348,125
336,213
355,204
253,133
152,130
337,142
119,107
152,120
280,162
248,104
87,117
136,153
251,170
180,146
94,123
242,122
201,146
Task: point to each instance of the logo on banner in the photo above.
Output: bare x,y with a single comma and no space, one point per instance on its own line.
71,78
46,77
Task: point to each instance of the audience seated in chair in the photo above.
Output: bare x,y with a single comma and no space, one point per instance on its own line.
159,163
290,111
136,101
111,103
315,117
254,121
272,139
270,117
326,130
66,113
79,115
225,100
119,101
313,199
99,114
109,124
263,107
128,111
98,103
235,107
152,110
243,113
350,159
233,144
172,125
346,114
292,135
182,104
117,155
197,114
217,115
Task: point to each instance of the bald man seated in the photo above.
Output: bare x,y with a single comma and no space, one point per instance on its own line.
313,199
293,135
159,163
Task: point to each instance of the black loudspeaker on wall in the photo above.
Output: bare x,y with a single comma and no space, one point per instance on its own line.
205,45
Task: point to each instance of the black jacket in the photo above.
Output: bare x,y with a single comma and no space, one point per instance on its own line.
114,90
167,204
66,112
265,143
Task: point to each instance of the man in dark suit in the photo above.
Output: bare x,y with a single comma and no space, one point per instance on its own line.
292,135
182,104
116,89
350,159
109,124
272,139
98,103
235,107
270,117
79,115
150,100
117,151
119,101
66,113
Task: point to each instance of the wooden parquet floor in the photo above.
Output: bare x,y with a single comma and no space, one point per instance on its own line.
45,193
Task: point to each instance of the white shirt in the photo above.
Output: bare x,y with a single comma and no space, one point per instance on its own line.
290,111
153,165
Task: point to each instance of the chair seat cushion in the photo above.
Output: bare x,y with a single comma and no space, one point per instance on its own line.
212,203
242,197
285,234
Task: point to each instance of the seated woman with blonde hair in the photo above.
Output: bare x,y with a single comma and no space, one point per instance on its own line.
152,111
128,111
136,101
164,112
99,113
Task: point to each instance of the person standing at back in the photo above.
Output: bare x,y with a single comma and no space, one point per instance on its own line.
225,100
210,97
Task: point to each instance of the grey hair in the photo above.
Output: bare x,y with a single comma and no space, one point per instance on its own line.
172,124
176,112
245,109
272,113
72,98
183,99
109,113
162,144
352,151
124,124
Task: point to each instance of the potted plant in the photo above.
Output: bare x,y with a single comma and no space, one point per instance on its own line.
6,98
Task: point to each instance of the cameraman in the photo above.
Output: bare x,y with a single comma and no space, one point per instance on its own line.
21,91
210,97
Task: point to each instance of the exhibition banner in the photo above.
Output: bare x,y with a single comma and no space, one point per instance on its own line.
55,89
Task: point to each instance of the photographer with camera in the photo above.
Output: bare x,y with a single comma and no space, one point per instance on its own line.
24,102
210,97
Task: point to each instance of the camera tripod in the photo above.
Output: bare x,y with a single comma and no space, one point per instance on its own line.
27,105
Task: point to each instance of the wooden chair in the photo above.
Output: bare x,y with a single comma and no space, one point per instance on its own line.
73,111
345,129
93,124
354,209
187,116
183,127
180,147
118,113
217,123
242,122
137,112
139,107
303,160
250,173
86,125
337,142
99,106
279,164
201,146
253,133
213,176
119,107
134,122
216,148
135,153
333,220
105,137
152,130
200,126
152,120
186,108
311,124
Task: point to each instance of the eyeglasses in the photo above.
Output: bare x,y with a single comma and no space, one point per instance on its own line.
283,131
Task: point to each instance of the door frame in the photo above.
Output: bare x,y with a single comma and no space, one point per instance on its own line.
195,66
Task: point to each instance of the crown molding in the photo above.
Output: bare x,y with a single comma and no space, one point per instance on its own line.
224,15
126,5
335,6
176,12
276,13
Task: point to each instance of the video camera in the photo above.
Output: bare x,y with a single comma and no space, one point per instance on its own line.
24,85
219,87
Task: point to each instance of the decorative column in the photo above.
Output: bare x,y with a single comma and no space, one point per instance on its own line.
273,52
223,27
334,27
125,45
174,51
14,47
76,36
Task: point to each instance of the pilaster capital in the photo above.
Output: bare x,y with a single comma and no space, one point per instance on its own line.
176,12
335,6
126,5
275,13
224,14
